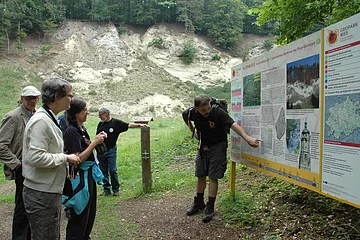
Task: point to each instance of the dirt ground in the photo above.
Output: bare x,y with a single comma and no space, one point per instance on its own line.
163,218
285,214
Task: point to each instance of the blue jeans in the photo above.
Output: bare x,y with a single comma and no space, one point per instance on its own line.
107,163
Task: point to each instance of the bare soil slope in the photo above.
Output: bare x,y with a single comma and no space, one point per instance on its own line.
126,72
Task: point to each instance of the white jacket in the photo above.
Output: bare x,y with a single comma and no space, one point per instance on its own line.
44,162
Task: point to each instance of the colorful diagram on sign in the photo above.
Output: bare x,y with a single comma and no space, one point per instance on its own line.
342,118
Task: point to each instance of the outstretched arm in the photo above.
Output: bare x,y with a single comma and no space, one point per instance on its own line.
137,125
253,142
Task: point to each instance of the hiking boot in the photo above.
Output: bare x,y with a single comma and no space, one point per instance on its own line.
105,193
115,194
198,205
209,213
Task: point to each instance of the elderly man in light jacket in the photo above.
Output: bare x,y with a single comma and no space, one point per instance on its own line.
11,145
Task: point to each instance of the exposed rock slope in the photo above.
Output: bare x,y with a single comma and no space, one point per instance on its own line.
129,75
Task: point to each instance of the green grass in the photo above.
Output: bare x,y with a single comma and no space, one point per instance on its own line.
220,92
11,82
7,198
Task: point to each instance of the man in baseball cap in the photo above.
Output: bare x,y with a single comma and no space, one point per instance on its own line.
11,145
30,98
30,91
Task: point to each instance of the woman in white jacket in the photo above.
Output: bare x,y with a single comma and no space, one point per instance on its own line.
44,162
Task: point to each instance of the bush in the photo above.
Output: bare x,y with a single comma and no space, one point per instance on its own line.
158,42
19,45
92,92
45,48
244,54
122,30
189,53
268,44
216,57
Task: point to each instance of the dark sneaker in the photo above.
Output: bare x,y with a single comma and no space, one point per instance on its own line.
209,214
105,193
115,194
196,207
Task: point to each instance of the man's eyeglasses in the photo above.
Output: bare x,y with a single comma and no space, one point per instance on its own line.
31,98
100,114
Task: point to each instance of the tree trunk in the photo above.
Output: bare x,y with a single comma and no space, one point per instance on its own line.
8,42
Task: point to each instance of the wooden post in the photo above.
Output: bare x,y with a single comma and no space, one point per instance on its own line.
232,178
145,153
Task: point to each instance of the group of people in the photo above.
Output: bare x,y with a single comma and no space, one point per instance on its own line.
53,162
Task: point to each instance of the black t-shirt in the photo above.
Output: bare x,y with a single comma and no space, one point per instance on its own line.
212,129
112,128
76,140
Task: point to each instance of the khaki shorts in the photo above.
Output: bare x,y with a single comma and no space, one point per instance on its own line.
211,161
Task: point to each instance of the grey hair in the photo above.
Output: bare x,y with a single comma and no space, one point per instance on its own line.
54,87
104,109
201,99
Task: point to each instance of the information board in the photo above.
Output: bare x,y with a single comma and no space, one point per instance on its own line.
303,101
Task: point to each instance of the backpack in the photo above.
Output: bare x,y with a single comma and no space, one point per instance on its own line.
214,102
222,103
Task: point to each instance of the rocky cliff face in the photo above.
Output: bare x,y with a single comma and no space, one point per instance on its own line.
129,75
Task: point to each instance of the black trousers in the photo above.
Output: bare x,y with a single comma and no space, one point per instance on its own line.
79,226
20,226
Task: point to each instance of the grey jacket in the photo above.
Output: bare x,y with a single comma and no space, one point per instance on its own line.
11,139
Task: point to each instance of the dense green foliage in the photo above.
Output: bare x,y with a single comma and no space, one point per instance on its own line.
299,17
221,20
224,21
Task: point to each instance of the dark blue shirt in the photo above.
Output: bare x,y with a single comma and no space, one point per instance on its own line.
76,140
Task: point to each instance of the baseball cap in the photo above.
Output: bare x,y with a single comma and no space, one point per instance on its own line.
30,91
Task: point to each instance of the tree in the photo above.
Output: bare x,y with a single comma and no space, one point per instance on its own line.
250,25
190,12
146,12
100,11
5,26
168,10
224,21
298,17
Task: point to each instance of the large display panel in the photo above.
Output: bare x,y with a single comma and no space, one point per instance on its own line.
303,101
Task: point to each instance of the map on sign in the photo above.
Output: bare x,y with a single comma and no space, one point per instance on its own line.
342,118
